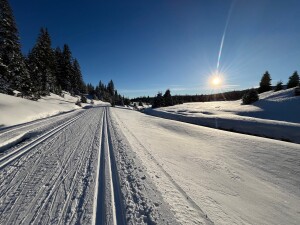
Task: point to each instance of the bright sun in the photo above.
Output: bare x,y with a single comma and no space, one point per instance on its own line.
216,81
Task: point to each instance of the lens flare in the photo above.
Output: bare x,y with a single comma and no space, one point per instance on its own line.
224,34
216,80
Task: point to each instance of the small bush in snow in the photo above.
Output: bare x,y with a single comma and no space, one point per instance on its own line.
78,103
250,97
83,99
278,86
10,92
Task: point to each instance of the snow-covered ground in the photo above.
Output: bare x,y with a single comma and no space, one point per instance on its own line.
16,110
207,175
275,115
117,166
78,172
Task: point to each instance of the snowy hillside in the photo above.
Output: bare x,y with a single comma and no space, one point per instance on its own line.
274,113
15,110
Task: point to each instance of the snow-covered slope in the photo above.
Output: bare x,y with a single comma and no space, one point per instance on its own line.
226,177
275,115
15,110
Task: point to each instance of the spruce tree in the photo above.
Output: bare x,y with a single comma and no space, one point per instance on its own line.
4,84
265,83
158,101
41,61
16,75
111,87
35,75
67,69
78,83
58,69
293,80
168,98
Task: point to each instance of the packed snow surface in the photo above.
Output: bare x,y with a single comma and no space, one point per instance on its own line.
275,115
80,171
230,178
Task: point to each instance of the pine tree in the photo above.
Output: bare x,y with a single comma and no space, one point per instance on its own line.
78,84
4,84
41,62
66,69
111,88
35,75
16,75
293,80
278,86
58,69
168,98
265,83
158,101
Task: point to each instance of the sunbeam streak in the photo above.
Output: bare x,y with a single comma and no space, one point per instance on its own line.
224,34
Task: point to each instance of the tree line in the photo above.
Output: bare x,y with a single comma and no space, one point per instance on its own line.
44,69
107,93
265,85
248,96
159,99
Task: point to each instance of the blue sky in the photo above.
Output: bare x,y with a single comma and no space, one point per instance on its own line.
149,46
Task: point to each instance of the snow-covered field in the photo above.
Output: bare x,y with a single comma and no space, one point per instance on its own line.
230,178
275,115
15,110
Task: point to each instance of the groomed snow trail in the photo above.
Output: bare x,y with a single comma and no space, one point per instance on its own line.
53,183
108,206
18,152
81,171
13,135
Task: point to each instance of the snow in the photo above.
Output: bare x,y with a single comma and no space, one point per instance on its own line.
15,110
105,163
52,180
275,115
231,178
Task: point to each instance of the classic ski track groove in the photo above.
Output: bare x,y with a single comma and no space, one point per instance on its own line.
108,206
10,157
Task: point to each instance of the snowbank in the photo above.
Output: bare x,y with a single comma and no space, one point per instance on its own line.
275,115
15,110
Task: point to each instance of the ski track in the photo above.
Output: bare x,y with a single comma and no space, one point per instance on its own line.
18,152
181,201
81,171
52,183
16,134
109,205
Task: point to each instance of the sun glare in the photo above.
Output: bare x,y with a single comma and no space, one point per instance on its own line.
216,81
